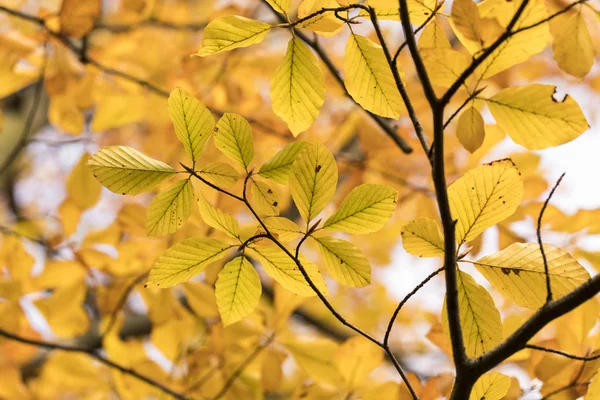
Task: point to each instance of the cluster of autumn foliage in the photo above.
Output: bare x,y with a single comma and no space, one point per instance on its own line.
294,200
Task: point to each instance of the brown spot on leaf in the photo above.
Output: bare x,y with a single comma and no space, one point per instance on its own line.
318,168
506,271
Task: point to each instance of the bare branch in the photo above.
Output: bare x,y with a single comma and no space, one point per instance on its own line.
562,353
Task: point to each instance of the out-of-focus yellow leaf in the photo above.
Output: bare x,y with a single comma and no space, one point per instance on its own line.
313,180
233,136
316,358
483,197
279,167
533,118
193,122
77,17
369,79
184,260
366,209
238,290
491,386
593,392
170,209
231,32
422,237
125,170
345,262
113,111
284,270
82,188
355,359
471,129
64,311
573,47
201,298
70,213
518,273
298,87
479,317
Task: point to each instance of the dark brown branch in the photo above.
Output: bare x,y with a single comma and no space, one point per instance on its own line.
549,18
98,357
322,11
562,353
404,301
539,239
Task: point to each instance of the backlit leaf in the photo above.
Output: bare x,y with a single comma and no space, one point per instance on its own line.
185,260
233,137
483,197
325,23
231,32
221,174
281,6
366,209
418,10
279,167
471,129
298,87
125,170
237,290
423,238
264,199
433,36
345,262
444,65
170,209
491,386
218,219
518,273
313,180
286,229
573,47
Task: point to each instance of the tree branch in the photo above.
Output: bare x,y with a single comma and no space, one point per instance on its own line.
562,353
92,353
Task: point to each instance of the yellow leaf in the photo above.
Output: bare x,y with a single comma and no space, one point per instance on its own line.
285,229
483,197
313,180
369,79
491,386
355,359
518,273
422,237
124,170
593,392
366,209
233,136
185,260
572,46
283,269
218,219
418,10
325,23
77,17
298,87
316,357
264,199
467,20
221,174
533,118
433,36
231,32
279,167
193,122
281,6
201,298
470,129
444,65
82,189
70,214
64,311
345,262
114,111
170,209
238,290
479,317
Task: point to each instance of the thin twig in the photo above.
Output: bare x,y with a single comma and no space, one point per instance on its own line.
539,239
92,353
562,353
463,105
417,30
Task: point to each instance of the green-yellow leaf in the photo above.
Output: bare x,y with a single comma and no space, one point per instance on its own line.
221,174
470,129
422,237
366,209
185,260
345,262
233,137
313,180
491,386
124,170
279,167
264,199
518,273
483,197
369,79
193,122
237,290
231,32
218,219
170,209
444,65
573,47
479,317
433,36
298,87
283,269
533,118
286,229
